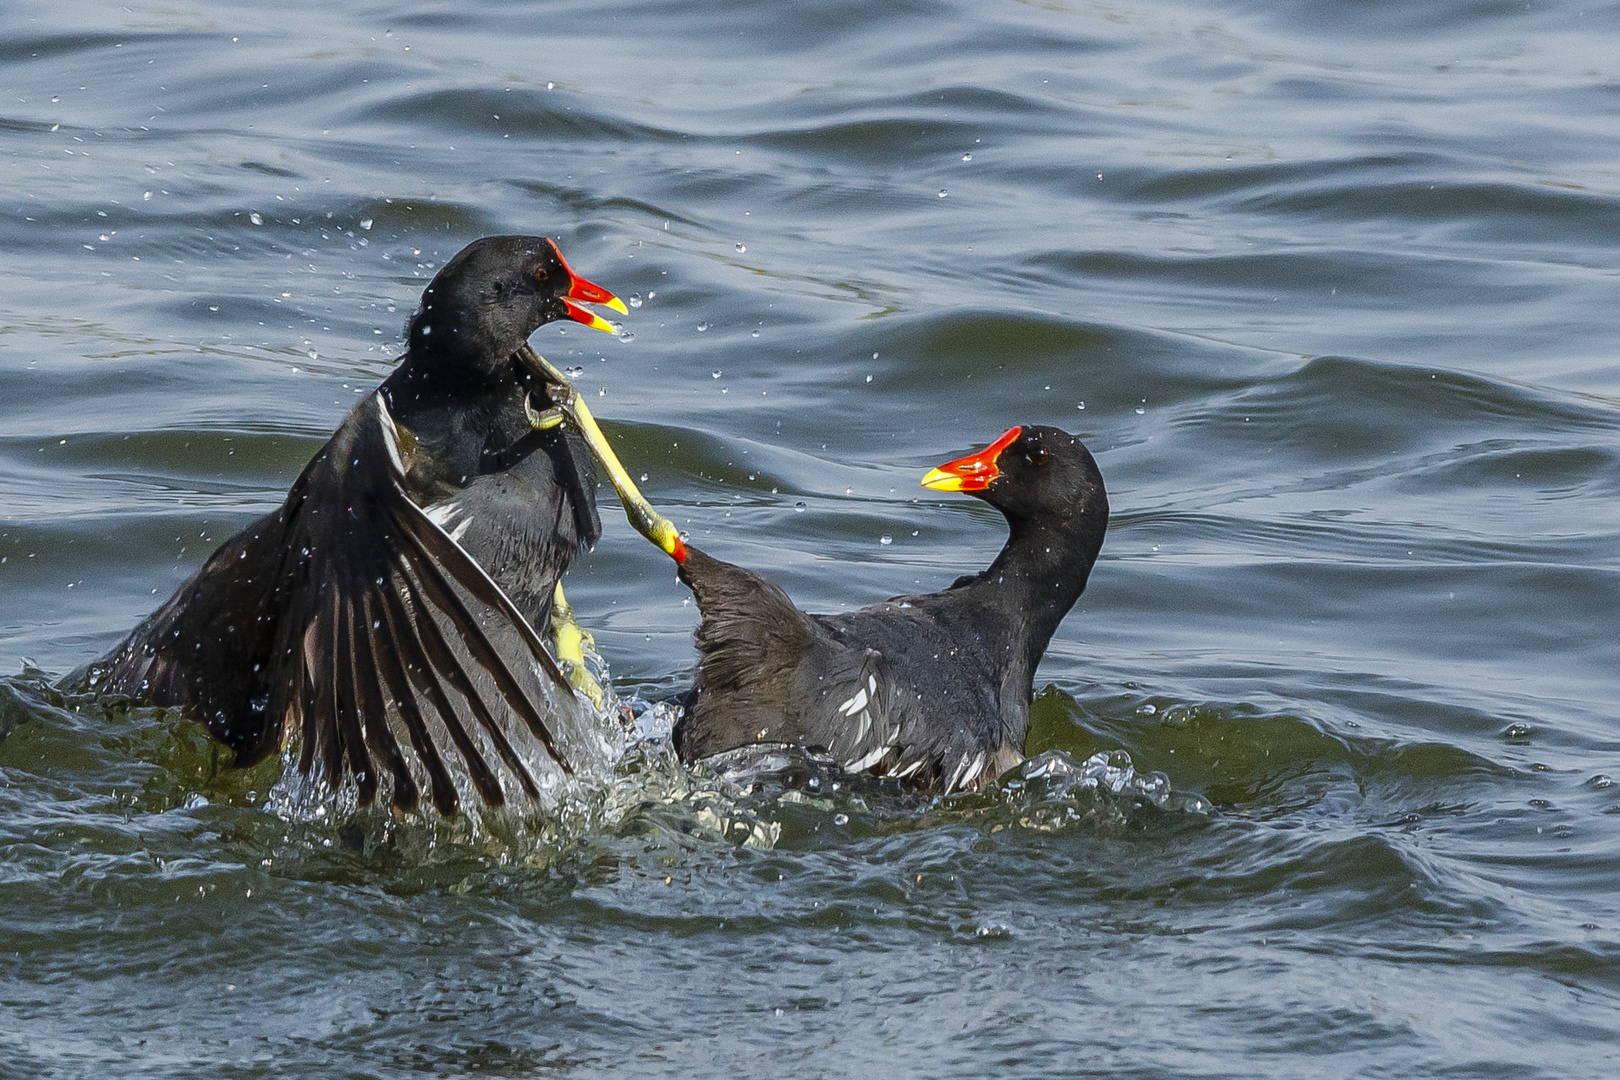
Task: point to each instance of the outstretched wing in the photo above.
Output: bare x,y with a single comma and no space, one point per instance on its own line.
369,636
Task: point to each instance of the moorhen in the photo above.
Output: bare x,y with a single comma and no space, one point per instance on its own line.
931,690
388,614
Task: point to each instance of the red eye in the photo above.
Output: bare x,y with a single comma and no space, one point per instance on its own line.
1036,455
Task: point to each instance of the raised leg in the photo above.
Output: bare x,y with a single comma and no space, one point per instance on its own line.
647,521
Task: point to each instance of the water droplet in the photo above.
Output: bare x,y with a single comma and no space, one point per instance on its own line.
551,86
313,355
798,508
702,326
601,391
574,372
914,532
869,378
741,248
253,216
1140,410
643,478
715,374
1081,406
885,539
635,299
651,294
942,193
754,334
146,196
840,819
626,335
365,223
967,157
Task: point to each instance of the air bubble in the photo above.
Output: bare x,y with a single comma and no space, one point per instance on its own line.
967,157
635,300
798,508
365,223
740,248
885,539
574,372
942,193
702,326
626,335
254,217
715,374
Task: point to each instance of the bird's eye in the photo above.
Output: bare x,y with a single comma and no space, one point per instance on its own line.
541,274
1036,454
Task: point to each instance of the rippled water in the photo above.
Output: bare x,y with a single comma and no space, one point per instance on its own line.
1330,290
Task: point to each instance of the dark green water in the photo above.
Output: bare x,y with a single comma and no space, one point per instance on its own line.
1337,285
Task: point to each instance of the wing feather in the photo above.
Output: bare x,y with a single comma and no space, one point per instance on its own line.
448,667
392,688
371,637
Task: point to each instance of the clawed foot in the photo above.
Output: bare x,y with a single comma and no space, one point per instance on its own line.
571,642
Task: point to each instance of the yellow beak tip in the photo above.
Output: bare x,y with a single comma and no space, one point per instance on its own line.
617,305
939,480
599,323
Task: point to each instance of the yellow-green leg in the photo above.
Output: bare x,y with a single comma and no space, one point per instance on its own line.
647,521
570,642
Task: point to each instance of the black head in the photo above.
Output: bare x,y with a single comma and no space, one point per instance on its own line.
484,303
1034,475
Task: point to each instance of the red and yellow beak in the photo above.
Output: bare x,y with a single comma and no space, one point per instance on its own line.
971,473
588,293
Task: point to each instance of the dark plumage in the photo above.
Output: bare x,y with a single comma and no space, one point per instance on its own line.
933,690
387,613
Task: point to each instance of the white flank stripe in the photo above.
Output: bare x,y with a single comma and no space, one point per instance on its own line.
441,513
870,760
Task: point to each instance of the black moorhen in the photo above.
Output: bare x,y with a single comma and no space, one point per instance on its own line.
390,609
931,690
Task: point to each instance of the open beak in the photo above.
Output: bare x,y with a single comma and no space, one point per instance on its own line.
971,473
581,291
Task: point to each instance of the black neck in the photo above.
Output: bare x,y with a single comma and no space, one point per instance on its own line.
1038,576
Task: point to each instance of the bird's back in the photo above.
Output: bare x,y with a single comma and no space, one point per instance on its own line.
894,689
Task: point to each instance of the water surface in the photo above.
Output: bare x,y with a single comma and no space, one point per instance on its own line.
1329,289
